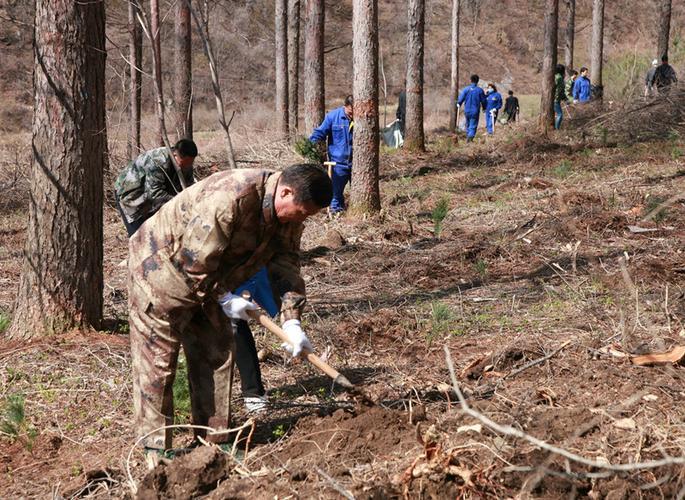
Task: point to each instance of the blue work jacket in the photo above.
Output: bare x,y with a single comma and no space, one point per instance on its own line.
472,98
493,101
581,89
260,290
337,128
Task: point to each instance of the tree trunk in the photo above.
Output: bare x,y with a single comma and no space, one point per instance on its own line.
293,63
414,137
156,47
61,282
570,33
281,30
183,69
365,196
549,62
664,28
314,93
597,45
135,54
454,73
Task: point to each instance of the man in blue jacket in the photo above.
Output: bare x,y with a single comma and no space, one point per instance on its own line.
493,104
336,128
581,87
471,100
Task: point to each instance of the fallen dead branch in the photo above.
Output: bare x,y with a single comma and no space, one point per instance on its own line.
537,361
510,431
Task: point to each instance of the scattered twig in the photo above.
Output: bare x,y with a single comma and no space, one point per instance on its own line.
537,361
334,484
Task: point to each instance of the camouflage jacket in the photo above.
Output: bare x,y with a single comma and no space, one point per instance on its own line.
147,183
211,238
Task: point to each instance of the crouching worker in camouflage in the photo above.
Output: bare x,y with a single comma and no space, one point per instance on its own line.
203,243
150,180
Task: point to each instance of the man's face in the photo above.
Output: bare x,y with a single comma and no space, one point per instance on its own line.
348,111
288,210
184,162
584,73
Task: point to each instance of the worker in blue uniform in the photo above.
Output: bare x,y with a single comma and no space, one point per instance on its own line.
471,100
337,128
582,87
493,104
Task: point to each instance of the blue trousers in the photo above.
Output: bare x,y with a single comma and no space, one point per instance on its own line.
559,115
488,121
471,124
340,176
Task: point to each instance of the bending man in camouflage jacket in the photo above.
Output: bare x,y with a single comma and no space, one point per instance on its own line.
206,241
150,180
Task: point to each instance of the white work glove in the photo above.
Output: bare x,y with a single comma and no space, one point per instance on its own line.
297,340
236,307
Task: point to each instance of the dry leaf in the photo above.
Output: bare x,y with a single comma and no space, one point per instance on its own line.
627,424
673,356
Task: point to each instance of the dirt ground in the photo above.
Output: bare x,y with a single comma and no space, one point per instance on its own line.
542,280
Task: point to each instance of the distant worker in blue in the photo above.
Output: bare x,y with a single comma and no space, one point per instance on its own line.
493,104
471,100
336,128
582,87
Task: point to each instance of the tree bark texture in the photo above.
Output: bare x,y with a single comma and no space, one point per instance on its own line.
183,70
570,37
155,36
414,136
549,62
365,196
664,28
61,282
454,59
135,54
281,56
597,43
293,63
314,92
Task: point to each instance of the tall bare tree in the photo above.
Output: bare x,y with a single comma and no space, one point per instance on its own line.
61,281
414,136
135,54
664,27
314,92
570,37
549,62
293,63
183,69
454,59
365,196
597,52
281,32
155,36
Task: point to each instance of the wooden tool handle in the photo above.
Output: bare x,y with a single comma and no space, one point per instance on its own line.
267,323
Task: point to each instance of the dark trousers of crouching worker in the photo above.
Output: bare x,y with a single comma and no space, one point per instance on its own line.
157,333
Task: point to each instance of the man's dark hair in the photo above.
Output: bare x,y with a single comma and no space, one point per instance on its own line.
309,183
474,78
186,148
493,87
664,58
349,100
511,92
573,72
583,69
561,69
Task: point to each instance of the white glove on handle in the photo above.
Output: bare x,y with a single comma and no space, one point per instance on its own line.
298,340
236,307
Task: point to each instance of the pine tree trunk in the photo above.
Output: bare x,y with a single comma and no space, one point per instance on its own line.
454,73
61,282
414,137
183,69
549,62
293,63
314,92
365,196
597,45
281,42
135,55
570,33
664,28
155,34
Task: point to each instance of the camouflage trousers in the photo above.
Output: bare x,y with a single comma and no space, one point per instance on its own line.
157,333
